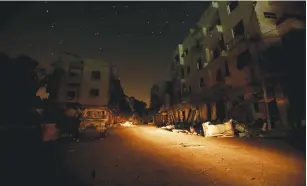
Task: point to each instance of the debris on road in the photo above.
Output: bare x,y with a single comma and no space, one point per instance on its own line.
230,128
127,124
225,129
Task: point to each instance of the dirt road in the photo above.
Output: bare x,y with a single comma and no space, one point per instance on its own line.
151,156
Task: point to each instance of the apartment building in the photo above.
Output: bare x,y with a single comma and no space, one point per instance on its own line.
223,62
86,81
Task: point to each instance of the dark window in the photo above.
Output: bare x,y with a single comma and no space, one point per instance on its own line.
71,95
201,82
232,5
73,84
227,72
218,21
184,89
221,44
238,29
95,75
188,70
94,92
176,58
216,53
186,51
243,59
219,75
182,72
190,89
198,44
256,107
200,64
210,28
269,15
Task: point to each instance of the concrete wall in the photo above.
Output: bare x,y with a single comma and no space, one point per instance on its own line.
86,66
102,84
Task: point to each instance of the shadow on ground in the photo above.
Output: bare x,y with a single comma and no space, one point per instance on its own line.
28,163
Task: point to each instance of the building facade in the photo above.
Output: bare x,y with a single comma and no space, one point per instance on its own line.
222,72
86,81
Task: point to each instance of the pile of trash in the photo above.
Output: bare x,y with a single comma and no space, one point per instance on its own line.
127,124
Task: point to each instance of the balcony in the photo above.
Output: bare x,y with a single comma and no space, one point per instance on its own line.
74,79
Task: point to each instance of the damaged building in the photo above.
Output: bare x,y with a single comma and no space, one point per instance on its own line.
89,82
223,68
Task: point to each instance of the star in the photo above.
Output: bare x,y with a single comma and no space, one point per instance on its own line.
113,6
126,6
182,22
116,13
47,10
148,22
96,33
166,22
61,41
52,54
101,18
100,48
187,15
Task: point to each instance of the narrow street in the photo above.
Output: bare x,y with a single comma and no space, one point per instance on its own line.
146,155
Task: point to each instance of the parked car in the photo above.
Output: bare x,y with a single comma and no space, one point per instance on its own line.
94,122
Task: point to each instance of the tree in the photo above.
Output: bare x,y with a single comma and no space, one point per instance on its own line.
53,82
20,83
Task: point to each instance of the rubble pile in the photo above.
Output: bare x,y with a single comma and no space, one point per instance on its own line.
230,128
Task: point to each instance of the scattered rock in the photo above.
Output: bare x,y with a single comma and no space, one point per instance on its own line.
253,178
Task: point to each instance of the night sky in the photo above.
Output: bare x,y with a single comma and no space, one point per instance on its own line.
138,37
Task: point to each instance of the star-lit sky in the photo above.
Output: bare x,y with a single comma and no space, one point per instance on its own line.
138,37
